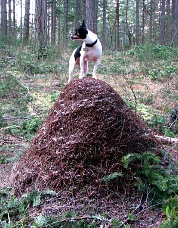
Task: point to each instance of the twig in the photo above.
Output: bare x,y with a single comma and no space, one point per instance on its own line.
138,208
15,117
167,139
58,207
78,218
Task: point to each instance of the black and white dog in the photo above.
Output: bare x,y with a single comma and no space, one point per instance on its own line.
90,50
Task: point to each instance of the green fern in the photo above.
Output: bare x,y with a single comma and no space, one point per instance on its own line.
145,158
151,175
108,178
13,207
43,221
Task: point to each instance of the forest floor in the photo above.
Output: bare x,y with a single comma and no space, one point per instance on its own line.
146,97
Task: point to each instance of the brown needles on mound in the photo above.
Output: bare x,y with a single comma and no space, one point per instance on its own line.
88,131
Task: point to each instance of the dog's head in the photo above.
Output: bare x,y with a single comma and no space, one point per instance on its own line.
80,33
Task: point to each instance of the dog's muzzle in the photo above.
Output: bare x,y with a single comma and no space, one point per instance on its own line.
74,37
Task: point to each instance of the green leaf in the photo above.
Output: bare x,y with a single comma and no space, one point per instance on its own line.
40,221
111,176
126,160
169,133
131,217
49,192
37,200
167,212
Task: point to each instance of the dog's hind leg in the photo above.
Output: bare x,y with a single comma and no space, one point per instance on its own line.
95,68
83,68
71,70
70,75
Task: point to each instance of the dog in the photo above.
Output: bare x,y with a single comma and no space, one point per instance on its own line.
90,50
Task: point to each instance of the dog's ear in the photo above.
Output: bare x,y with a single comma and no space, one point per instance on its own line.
83,24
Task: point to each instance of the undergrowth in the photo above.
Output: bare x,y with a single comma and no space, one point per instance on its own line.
157,181
14,96
14,211
160,62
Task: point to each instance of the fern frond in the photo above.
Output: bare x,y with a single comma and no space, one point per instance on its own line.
127,159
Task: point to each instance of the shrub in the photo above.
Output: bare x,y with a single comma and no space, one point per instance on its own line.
18,97
2,121
149,52
152,175
41,61
29,128
162,70
171,210
14,209
159,123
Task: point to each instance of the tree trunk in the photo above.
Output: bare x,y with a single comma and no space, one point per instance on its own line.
137,32
162,24
21,18
143,23
174,41
168,7
151,21
77,13
9,20
104,25
14,21
53,23
84,10
168,23
59,39
4,19
129,34
41,26
92,15
117,27
65,33
26,22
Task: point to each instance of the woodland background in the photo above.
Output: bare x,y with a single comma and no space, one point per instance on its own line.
119,24
140,62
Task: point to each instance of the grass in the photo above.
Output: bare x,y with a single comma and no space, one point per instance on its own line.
145,77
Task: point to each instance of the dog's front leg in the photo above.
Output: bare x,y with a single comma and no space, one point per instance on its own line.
72,65
83,68
95,68
70,74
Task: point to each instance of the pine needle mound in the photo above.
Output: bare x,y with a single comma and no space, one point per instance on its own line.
88,131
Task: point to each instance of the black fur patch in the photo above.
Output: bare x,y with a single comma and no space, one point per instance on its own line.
77,53
81,32
174,115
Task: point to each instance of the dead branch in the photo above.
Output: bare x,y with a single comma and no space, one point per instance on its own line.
167,139
77,218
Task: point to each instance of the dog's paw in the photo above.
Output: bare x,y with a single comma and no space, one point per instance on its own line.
94,76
